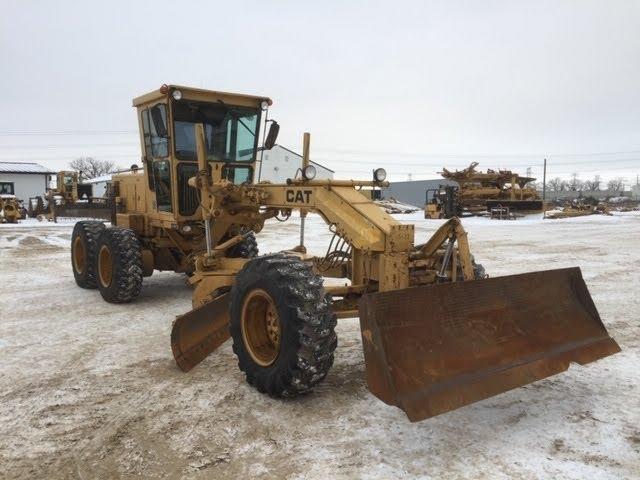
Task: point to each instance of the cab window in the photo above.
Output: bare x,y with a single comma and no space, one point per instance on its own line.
230,132
237,174
158,130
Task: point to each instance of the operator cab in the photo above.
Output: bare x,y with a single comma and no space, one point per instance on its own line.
168,118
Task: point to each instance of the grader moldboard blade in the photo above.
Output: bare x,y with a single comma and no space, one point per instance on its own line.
432,349
86,210
199,332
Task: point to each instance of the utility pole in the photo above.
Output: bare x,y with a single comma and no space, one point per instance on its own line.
544,189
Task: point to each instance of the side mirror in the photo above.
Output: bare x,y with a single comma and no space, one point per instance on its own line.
272,135
158,116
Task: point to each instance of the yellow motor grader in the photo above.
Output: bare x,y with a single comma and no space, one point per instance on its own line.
71,198
437,333
10,209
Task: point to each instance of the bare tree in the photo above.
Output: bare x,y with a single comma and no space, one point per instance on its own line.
89,167
575,184
616,184
555,184
596,182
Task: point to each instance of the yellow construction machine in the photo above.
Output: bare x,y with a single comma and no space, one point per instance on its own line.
442,202
10,209
437,333
71,198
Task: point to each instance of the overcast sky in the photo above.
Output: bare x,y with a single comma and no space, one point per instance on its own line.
412,86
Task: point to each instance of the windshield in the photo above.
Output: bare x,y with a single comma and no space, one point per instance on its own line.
230,132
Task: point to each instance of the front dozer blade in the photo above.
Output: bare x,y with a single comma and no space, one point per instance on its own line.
199,332
436,348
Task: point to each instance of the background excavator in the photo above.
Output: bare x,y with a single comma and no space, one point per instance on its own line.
437,333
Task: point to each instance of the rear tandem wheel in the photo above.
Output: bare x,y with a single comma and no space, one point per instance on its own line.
119,265
84,240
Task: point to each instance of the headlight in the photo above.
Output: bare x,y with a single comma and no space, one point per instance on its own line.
379,174
264,105
309,172
186,228
177,95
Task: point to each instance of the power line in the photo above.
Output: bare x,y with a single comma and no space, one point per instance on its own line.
440,164
349,151
67,145
67,132
457,155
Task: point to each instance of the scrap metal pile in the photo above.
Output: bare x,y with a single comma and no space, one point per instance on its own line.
577,209
391,205
481,191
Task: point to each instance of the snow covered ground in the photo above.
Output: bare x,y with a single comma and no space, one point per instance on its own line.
90,390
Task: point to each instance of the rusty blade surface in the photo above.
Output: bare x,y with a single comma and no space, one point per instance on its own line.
432,349
199,332
83,210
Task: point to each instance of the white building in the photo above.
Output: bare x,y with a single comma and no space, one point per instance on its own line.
100,185
23,179
280,163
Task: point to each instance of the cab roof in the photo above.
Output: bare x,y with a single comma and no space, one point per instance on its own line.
191,93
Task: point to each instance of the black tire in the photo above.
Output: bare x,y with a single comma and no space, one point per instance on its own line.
307,336
248,248
84,242
478,271
119,265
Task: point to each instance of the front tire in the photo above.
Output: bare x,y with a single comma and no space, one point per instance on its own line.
119,265
84,242
282,326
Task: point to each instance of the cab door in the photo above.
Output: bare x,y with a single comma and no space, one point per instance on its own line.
157,159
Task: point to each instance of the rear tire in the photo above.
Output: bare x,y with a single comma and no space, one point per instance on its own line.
282,326
119,265
248,248
84,241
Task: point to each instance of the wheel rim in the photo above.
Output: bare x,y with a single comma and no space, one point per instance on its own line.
79,255
105,266
260,325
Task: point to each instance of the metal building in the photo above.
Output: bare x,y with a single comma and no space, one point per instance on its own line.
413,192
100,185
280,163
